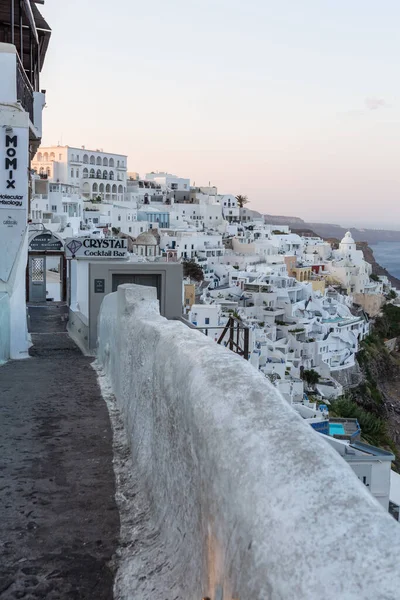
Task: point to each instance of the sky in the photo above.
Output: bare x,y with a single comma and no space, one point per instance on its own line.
295,103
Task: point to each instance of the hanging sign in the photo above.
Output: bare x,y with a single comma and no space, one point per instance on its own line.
92,248
45,242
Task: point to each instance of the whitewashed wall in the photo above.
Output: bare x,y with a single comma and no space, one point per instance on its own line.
245,496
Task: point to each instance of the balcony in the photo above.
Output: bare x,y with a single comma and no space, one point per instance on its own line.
24,90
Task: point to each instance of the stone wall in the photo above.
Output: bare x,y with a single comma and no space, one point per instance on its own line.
247,500
371,303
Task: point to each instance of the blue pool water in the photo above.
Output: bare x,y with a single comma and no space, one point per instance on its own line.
336,429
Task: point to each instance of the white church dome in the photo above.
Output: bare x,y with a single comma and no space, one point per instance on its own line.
347,239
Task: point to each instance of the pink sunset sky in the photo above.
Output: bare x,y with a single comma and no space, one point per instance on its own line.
295,104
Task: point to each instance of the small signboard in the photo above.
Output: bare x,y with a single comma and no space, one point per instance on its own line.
45,242
93,249
99,286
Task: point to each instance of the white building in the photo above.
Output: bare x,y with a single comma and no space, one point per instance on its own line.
20,132
189,244
230,208
56,205
207,317
178,186
371,465
350,269
96,173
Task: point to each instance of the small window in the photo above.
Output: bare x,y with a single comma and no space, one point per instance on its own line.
207,321
119,217
54,208
72,172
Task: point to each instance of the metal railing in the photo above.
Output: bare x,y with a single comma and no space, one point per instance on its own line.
236,341
24,90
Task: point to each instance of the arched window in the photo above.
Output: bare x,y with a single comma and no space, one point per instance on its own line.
92,174
92,160
95,187
72,172
45,157
41,172
108,188
52,156
77,173
48,171
117,163
114,189
39,157
120,189
98,160
105,162
85,159
85,173
111,162
104,174
111,174
101,188
98,174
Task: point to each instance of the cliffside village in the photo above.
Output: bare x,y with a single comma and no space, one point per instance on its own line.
296,307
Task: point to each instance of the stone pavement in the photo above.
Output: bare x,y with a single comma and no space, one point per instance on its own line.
59,522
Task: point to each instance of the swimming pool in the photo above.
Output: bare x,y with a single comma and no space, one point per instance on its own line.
336,429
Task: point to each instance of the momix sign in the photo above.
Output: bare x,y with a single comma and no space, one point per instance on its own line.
92,248
14,144
14,180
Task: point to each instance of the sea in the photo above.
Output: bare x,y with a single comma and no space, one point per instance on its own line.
387,254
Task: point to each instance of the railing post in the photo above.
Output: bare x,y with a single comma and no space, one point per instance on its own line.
231,333
246,343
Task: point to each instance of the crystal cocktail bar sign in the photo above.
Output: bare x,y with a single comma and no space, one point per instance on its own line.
91,248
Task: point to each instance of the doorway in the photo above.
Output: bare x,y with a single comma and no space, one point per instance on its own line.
37,278
148,279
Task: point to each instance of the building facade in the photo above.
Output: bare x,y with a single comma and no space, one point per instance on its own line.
24,38
98,174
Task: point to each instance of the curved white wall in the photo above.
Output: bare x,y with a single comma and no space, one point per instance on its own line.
245,495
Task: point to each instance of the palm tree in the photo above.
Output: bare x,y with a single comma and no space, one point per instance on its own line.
241,200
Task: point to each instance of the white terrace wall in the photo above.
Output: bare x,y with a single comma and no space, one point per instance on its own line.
247,498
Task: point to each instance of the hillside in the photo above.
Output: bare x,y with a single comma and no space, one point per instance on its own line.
331,230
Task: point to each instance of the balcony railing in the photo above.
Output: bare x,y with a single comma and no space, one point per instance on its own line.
24,90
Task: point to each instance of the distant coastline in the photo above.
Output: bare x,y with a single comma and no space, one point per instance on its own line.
387,254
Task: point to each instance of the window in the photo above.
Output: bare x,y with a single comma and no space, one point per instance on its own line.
59,156
65,208
207,321
130,229
119,217
72,172
54,208
77,173
187,301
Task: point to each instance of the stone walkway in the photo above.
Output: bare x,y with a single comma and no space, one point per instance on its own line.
59,521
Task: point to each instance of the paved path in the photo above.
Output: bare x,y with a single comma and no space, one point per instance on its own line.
58,520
